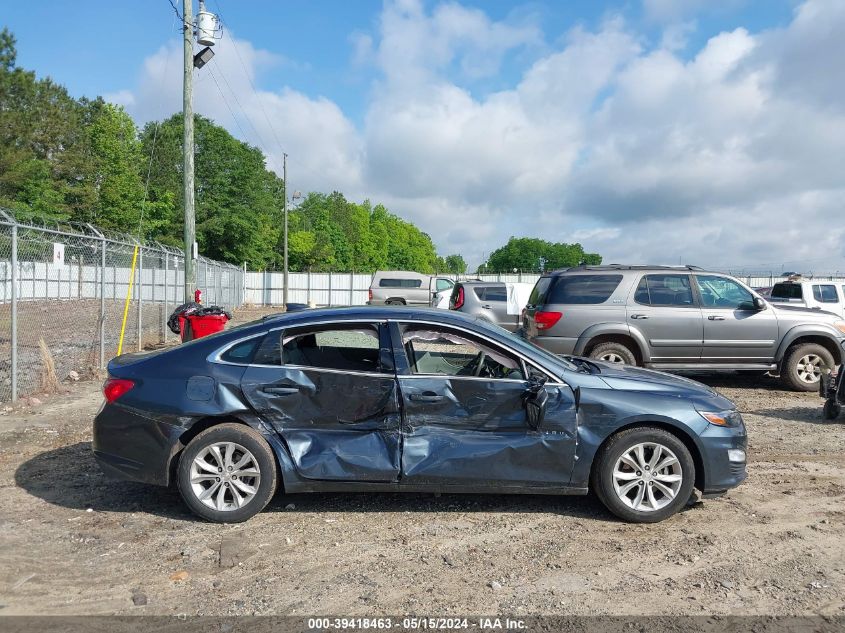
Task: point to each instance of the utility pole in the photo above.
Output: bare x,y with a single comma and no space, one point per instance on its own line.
188,151
285,178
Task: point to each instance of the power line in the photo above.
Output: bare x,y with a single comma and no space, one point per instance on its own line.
252,85
226,102
153,149
242,109
317,177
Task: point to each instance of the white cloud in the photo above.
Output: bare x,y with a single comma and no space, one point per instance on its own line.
727,155
323,144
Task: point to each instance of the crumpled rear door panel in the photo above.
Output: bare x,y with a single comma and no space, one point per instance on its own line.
338,426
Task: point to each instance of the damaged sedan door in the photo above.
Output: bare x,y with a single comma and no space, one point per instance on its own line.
465,423
330,392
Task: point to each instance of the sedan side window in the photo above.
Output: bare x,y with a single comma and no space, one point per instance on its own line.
445,352
347,348
353,347
721,292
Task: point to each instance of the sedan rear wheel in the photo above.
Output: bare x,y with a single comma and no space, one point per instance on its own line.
227,473
644,475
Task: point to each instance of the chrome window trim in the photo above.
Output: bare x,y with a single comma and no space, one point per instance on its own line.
214,357
328,370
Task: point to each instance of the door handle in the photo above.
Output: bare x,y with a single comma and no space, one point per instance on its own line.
281,391
716,317
639,316
487,307
425,397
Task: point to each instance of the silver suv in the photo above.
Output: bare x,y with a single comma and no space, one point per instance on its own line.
682,319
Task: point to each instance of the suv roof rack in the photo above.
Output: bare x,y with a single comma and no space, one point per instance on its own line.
625,267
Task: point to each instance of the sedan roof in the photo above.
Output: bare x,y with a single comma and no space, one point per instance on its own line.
372,312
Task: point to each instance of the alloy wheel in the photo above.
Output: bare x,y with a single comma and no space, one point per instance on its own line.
612,357
809,368
225,476
647,477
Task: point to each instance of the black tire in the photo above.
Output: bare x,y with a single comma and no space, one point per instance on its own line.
603,351
831,410
793,373
602,481
246,438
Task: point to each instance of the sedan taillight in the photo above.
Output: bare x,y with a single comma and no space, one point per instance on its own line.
114,388
546,320
459,300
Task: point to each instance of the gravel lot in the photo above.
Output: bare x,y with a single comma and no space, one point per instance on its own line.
74,542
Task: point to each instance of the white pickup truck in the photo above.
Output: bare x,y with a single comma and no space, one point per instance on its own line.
820,295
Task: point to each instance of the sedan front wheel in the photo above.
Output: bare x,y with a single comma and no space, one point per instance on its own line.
644,475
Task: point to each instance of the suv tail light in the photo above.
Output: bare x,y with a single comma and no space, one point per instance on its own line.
114,388
370,294
546,320
459,300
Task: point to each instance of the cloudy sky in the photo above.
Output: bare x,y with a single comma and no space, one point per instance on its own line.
661,131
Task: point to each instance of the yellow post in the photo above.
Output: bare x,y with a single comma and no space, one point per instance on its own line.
126,304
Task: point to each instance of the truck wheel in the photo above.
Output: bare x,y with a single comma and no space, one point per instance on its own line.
644,475
803,366
227,474
613,353
394,302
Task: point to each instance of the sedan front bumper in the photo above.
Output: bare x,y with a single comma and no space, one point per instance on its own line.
725,458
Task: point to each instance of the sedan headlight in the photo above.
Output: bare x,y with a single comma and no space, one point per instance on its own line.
730,418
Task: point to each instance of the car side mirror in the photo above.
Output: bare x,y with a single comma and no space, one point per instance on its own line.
759,304
535,398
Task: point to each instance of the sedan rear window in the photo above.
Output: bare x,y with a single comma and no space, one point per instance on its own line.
582,289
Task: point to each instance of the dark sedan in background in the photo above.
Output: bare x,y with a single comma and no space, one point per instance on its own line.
405,399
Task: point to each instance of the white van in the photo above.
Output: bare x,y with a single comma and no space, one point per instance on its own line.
403,287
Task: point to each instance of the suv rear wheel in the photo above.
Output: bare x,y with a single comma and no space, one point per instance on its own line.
803,366
612,352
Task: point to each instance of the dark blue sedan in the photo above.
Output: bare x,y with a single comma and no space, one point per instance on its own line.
392,399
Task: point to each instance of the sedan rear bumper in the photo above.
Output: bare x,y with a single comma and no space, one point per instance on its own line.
133,447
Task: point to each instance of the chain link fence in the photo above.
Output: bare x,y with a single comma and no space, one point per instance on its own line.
63,292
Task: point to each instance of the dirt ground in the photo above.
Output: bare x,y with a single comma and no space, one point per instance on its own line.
73,542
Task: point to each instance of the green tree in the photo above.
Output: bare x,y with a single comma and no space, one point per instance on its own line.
238,200
527,253
455,264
